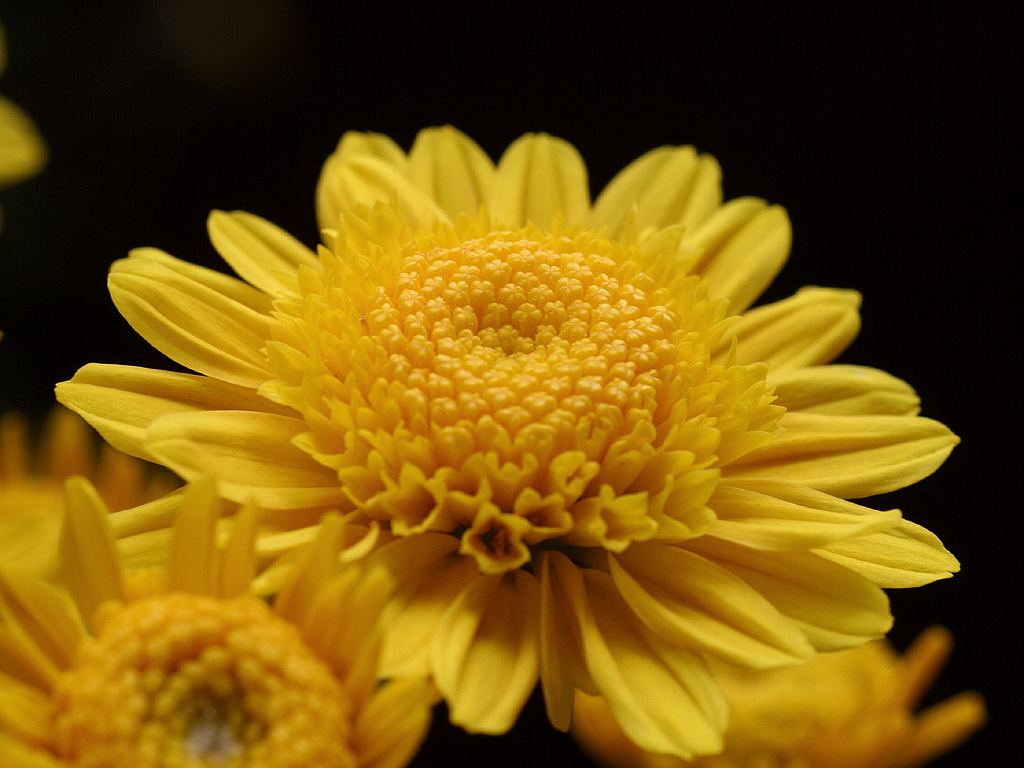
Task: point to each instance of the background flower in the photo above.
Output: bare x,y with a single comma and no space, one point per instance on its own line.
852,709
181,662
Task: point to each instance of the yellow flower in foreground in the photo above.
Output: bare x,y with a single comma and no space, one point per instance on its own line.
852,709
22,152
32,484
181,666
581,466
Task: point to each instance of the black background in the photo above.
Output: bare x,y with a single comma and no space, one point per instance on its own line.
885,130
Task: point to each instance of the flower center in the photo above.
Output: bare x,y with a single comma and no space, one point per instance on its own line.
191,681
512,389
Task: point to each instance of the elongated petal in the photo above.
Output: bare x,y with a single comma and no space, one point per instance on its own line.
41,614
22,151
89,562
810,328
196,324
667,185
906,555
743,246
434,575
21,659
391,727
352,144
452,169
16,754
263,254
121,401
540,178
663,697
250,454
25,712
192,563
850,456
562,668
942,727
238,561
853,390
365,180
834,607
691,602
484,653
766,514
342,624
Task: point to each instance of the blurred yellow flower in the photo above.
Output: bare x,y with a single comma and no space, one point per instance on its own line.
22,151
584,459
32,484
182,666
851,709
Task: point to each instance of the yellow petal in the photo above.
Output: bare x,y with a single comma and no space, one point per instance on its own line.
849,456
540,178
434,575
906,555
391,727
89,563
667,185
663,697
263,254
192,563
743,246
693,603
834,607
364,180
25,712
484,653
329,194
342,624
22,151
15,455
853,390
66,447
561,651
316,564
765,514
16,754
942,727
40,613
452,169
193,318
810,328
121,401
238,561
249,454
21,659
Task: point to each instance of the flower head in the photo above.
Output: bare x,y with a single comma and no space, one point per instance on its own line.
852,709
585,462
181,665
32,484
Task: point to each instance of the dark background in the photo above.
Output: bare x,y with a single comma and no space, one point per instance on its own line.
885,131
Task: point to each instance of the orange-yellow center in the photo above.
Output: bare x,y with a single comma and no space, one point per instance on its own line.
187,681
514,389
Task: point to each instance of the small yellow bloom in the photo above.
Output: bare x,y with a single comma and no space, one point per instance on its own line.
183,666
22,151
852,709
582,457
32,484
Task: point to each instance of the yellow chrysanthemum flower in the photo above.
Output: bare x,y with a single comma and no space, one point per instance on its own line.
182,666
587,461
32,484
851,709
22,151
